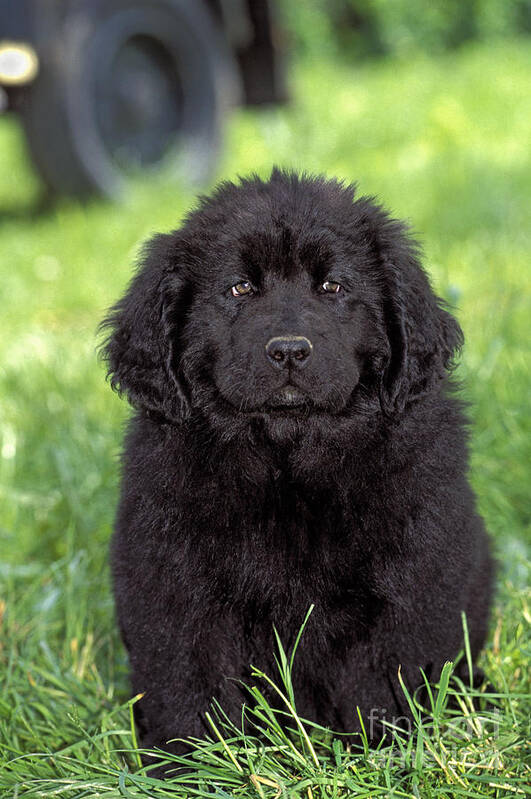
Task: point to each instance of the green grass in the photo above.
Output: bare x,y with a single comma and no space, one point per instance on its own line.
444,143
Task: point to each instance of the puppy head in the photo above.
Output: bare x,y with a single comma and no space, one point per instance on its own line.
279,301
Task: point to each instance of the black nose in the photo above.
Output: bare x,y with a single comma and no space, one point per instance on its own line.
285,350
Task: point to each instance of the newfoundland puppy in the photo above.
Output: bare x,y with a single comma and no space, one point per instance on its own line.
295,442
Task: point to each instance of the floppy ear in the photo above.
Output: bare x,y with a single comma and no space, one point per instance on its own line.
141,349
423,337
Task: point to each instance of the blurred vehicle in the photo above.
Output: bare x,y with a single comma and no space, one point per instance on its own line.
105,88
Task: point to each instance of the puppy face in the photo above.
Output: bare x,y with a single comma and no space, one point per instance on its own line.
285,324
285,301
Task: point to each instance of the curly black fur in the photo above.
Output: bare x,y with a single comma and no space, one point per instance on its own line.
238,511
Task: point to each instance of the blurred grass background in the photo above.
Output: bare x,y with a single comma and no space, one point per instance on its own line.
443,139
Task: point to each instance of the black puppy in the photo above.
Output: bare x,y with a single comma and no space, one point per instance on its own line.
295,441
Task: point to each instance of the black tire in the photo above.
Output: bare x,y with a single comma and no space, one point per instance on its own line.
129,84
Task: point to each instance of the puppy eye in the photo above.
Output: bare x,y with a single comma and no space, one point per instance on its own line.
241,288
331,287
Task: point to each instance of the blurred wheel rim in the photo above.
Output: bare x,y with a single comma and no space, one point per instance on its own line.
139,103
189,128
